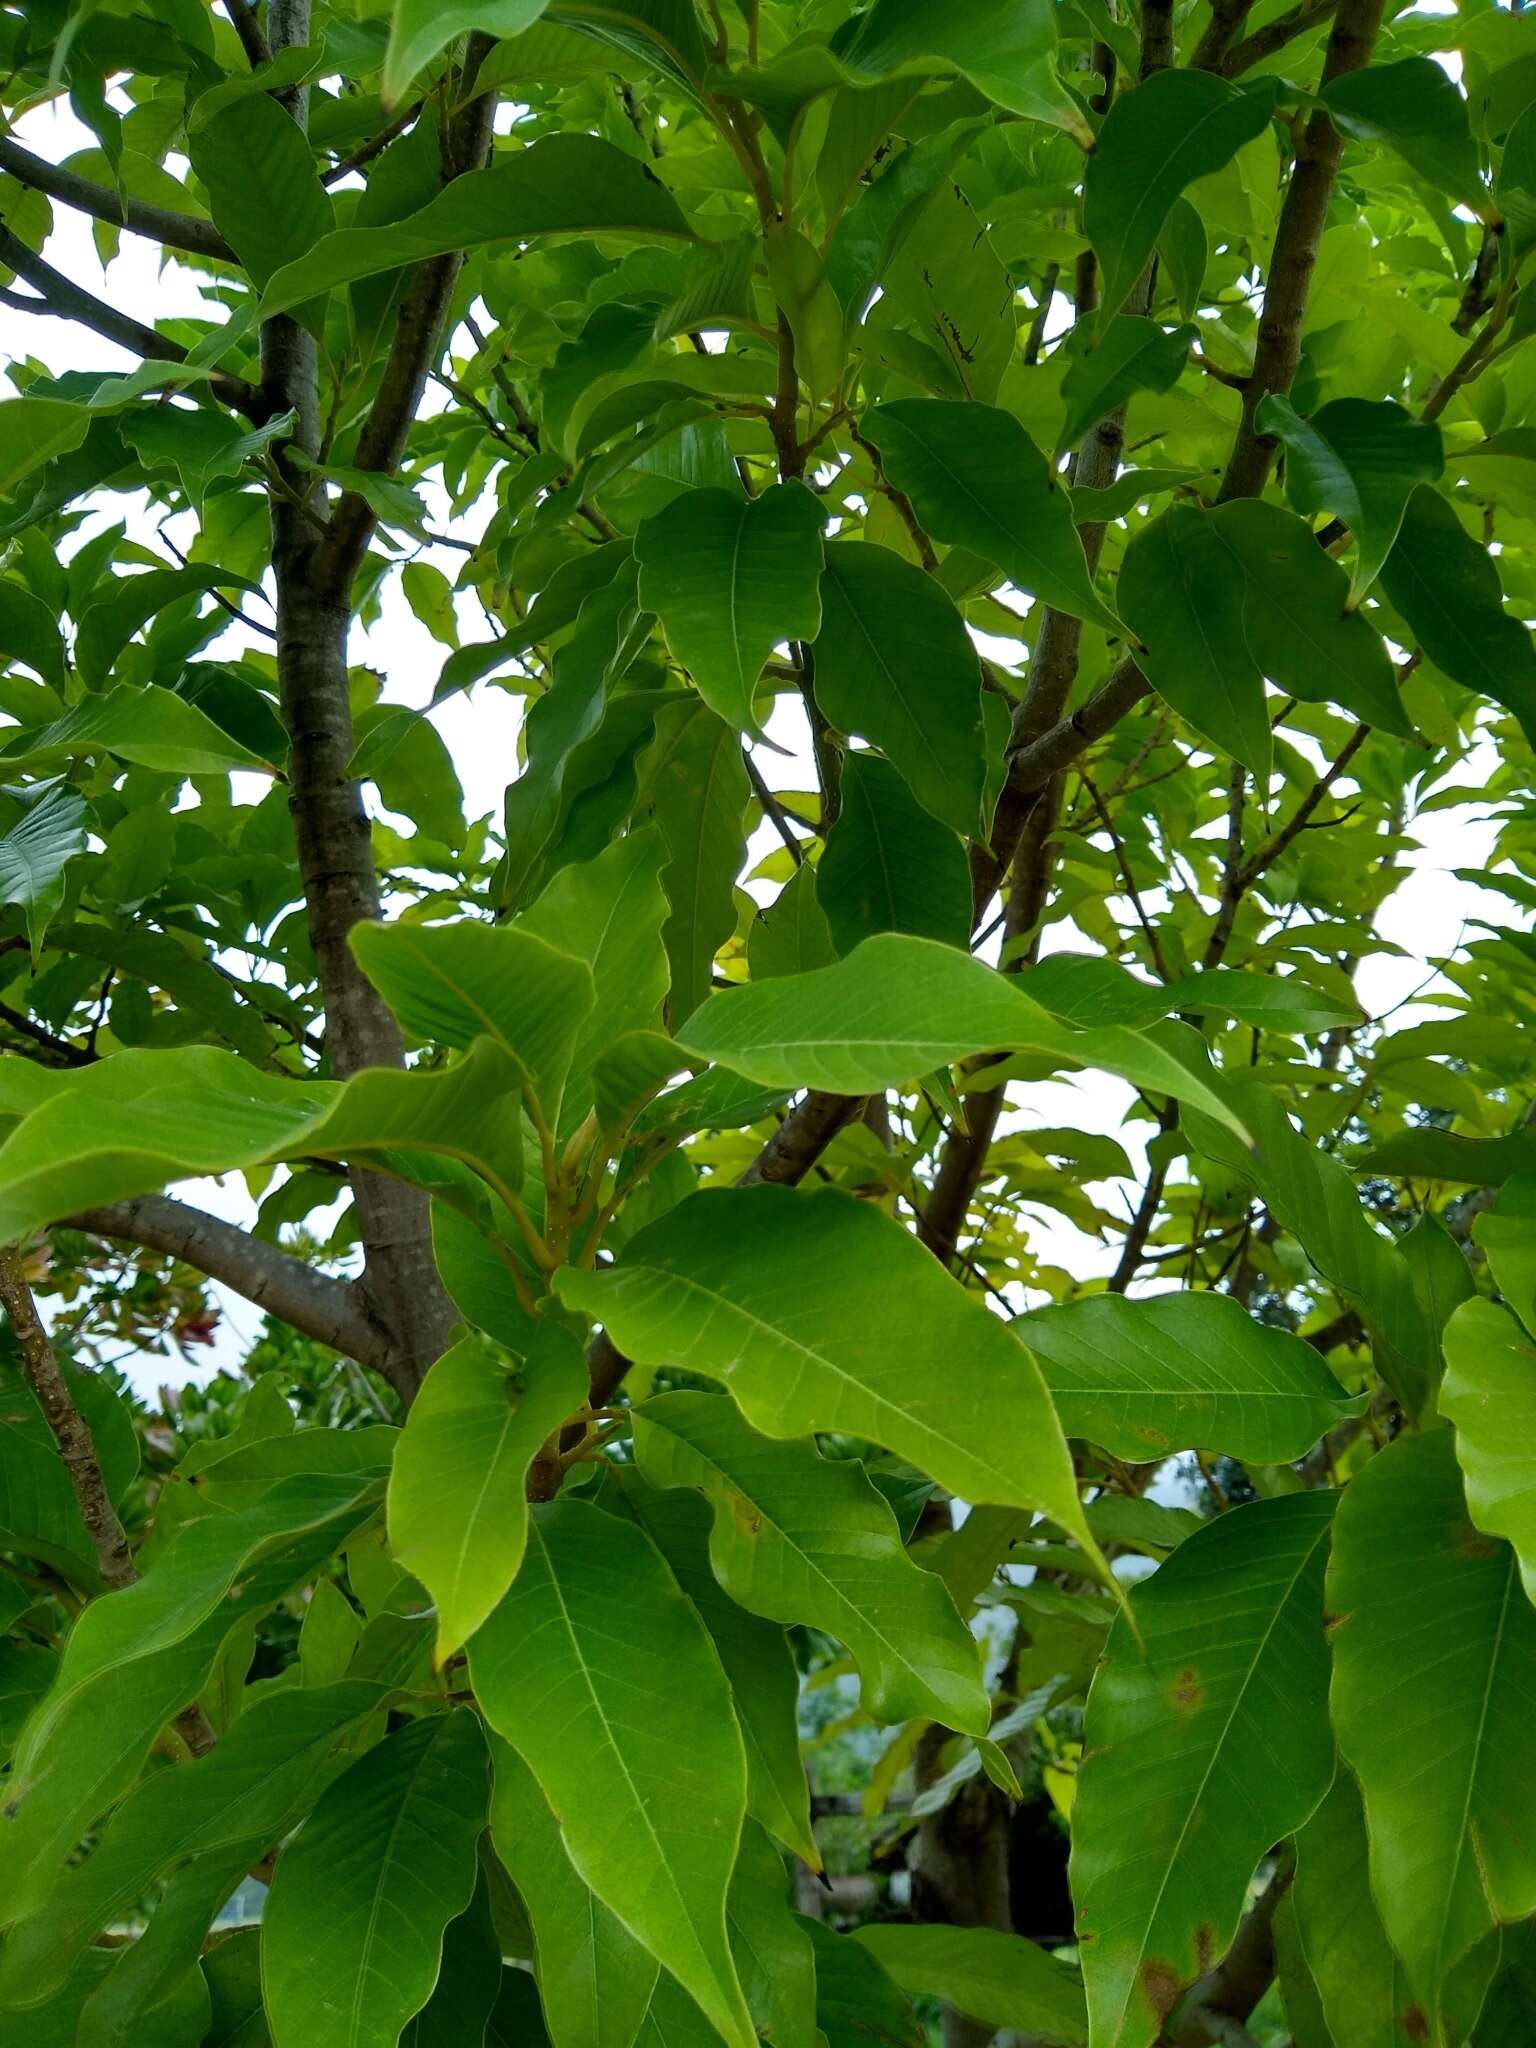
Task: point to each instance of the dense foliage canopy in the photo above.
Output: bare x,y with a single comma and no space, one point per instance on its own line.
1009,523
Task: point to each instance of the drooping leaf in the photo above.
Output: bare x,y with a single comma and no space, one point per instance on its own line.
699,789
562,184
1145,1378
890,865
791,935
1222,600
820,1314
858,2004
991,1976
1489,1394
899,1007
1361,461
651,1812
1175,127
468,1983
151,727
1414,107
1180,1747
1132,354
1434,1656
894,665
1007,51
799,1538
731,579
458,1510
30,633
977,480
263,189
1448,590
420,29
352,1935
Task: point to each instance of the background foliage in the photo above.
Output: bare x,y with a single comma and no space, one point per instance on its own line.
1006,522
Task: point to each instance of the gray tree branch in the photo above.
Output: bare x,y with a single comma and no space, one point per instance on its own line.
137,216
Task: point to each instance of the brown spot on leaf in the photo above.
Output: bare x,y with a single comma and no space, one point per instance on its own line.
1161,1987
1415,2026
1474,1544
1205,1946
1187,1692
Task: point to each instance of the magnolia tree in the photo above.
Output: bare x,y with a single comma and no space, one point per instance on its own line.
1099,446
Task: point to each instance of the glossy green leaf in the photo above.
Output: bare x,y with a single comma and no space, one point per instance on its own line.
791,935
991,1976
1181,1747
468,1983
700,791
1489,1394
858,2004
420,29
1133,354
799,1538
820,1314
1434,1657
352,1935
135,1658
151,727
39,1514
978,481
35,853
894,664
890,865
1448,590
1197,586
1415,108
651,1809
563,184
731,579
30,633
263,189
1175,127
1175,1371
899,1007
1359,460
458,1512
1006,50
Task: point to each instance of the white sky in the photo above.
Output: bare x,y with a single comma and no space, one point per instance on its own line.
1424,916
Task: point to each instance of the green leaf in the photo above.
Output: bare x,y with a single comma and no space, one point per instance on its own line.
458,1513
819,1313
1361,461
858,2004
29,632
651,1810
151,727
232,1968
453,982
1181,1371
35,853
39,1514
895,665
1505,1235
36,430
1415,108
1434,1658
264,192
1006,48
731,579
756,1656
561,185
1181,1747
136,1657
889,865
352,1934
420,29
1132,354
978,481
223,1811
799,1538
791,935
991,1976
1489,1394
806,299
595,1978
401,752
1447,589
1196,587
1175,127
698,786
468,1985
899,1007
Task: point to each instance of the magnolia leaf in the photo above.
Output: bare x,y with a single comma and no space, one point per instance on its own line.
731,579
151,727
1489,1394
990,1976
264,192
699,788
858,2003
35,853
791,935
1175,127
1415,108
1175,1371
1435,1636
1132,354
420,29
352,1934
978,481
889,865
819,1313
1006,48
1180,1745
805,1539
458,1510
895,665
651,1813
1360,461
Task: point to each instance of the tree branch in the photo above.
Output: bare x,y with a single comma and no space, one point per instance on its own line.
155,223
331,1311
67,301
1288,279
243,17
1273,37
